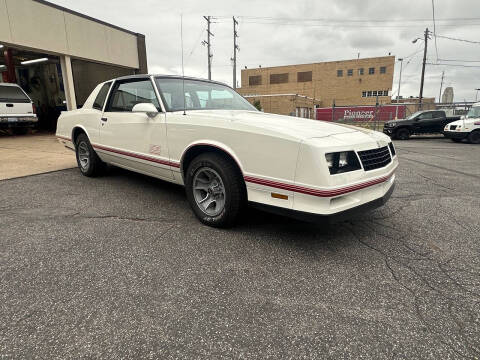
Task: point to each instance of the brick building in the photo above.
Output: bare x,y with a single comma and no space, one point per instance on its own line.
347,82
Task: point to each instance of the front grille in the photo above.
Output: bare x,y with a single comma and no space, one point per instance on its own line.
375,158
453,127
392,149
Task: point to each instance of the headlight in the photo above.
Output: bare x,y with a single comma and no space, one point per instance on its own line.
340,162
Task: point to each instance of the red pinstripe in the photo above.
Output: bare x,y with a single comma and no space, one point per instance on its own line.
259,181
317,192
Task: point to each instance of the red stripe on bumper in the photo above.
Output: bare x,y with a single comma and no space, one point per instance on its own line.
317,192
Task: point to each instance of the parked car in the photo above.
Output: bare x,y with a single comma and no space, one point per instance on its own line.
421,122
205,136
17,111
466,128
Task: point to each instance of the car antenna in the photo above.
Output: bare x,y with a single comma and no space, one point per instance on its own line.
183,69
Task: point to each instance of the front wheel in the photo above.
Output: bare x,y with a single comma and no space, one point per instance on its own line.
474,137
215,190
87,159
402,134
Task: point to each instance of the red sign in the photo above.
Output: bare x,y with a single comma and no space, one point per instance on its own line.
361,113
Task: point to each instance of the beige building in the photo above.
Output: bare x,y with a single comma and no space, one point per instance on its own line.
348,82
58,55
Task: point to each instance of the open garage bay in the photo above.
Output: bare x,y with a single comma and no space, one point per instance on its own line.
118,266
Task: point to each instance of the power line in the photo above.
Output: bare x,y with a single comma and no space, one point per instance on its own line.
457,39
270,18
458,65
458,60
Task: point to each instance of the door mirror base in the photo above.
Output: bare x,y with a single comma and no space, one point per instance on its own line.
147,108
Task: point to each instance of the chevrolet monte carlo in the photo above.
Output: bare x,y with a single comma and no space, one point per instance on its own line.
203,135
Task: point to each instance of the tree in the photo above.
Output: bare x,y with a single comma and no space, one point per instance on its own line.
257,104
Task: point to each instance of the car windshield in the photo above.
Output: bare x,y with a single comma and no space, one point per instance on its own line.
474,112
414,115
199,95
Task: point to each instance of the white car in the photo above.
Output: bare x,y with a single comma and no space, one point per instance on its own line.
17,111
205,136
466,128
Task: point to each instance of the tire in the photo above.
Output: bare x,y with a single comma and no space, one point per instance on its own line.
456,140
474,137
215,190
87,159
402,134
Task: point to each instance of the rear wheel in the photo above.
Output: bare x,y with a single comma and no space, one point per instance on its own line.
402,134
87,159
474,137
215,190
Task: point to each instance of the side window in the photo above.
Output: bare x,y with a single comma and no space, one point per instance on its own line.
425,116
126,95
438,114
101,96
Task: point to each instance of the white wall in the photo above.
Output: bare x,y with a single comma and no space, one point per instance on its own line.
44,28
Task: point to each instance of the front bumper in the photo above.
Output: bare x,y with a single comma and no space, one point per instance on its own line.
328,219
455,134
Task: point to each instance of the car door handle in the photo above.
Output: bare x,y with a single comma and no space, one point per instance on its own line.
9,105
104,119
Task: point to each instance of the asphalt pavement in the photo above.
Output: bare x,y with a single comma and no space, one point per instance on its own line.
118,267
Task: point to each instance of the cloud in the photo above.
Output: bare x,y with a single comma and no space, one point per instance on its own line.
274,32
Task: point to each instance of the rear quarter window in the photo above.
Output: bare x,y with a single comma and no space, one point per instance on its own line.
13,94
101,96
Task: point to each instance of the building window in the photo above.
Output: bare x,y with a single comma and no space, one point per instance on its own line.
383,69
304,76
278,78
360,71
255,80
339,73
374,93
350,72
371,71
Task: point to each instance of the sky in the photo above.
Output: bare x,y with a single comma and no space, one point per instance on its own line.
279,32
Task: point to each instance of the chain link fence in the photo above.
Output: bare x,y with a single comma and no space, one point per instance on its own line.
374,116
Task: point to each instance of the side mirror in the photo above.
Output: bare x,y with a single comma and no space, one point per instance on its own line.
148,108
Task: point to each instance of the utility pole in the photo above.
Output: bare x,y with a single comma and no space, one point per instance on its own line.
235,48
208,43
420,97
441,85
399,78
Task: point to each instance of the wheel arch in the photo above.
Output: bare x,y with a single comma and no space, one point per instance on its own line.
76,131
196,149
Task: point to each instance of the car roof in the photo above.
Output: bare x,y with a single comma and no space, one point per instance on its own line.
146,76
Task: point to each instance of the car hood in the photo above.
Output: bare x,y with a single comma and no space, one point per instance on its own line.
287,126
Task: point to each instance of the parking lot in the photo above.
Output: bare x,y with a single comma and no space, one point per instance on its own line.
119,267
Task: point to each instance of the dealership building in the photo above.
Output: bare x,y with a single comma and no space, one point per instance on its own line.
298,89
58,55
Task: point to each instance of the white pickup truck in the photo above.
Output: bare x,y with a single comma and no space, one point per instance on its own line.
468,127
17,111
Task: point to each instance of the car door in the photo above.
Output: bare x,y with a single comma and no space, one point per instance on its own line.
134,140
439,121
424,122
